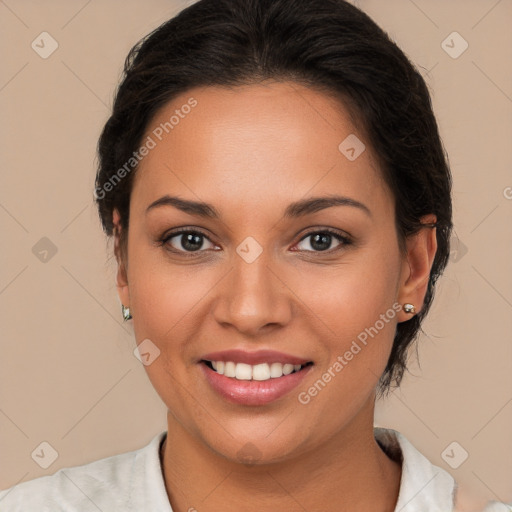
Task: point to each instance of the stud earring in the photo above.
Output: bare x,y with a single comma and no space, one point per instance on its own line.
409,308
126,313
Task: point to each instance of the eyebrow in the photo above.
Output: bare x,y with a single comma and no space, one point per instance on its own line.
297,209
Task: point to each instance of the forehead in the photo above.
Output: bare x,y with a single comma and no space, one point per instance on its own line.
259,144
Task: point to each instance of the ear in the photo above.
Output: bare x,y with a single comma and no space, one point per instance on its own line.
416,266
121,277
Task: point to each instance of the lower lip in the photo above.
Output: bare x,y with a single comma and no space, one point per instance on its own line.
253,392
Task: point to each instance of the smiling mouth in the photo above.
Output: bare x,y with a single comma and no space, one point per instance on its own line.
257,372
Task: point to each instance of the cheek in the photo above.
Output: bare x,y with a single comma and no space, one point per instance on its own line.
166,300
162,294
350,295
364,327
354,307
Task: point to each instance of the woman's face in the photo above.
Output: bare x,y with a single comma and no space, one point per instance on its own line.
264,272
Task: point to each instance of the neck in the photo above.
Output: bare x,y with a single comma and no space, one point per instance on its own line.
348,472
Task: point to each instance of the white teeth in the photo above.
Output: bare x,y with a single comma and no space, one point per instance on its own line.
230,369
287,369
243,371
261,372
276,370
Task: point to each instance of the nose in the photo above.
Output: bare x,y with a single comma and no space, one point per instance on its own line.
253,298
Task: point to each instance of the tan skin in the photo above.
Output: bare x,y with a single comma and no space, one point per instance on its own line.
250,151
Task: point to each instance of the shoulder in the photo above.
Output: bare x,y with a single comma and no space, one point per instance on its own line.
105,484
466,501
495,506
423,485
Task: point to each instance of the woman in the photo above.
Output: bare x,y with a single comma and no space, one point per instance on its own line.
280,202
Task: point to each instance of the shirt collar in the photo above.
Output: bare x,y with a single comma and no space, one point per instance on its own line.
423,486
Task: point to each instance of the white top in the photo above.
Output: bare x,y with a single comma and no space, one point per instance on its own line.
133,481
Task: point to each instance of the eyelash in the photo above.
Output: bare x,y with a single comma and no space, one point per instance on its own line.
345,240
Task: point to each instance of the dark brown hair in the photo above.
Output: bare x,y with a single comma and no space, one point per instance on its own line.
325,44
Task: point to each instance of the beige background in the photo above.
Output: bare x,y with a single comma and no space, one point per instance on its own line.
68,373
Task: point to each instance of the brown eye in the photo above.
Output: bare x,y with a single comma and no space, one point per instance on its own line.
320,241
186,241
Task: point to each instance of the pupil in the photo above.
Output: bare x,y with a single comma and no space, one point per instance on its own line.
192,242
321,241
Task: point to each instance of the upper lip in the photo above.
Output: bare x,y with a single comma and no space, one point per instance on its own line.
253,358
